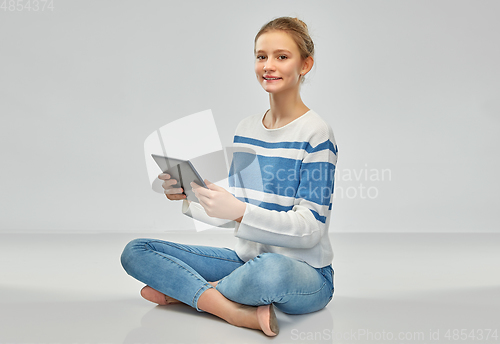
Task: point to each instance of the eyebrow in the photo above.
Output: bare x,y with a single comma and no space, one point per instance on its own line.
276,51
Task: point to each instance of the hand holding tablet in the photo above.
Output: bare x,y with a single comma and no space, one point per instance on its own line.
183,173
172,193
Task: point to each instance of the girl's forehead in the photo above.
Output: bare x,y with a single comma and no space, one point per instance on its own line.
275,40
275,37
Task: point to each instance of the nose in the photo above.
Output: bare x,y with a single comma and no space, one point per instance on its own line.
268,65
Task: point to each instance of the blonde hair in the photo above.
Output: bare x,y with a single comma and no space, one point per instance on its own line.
296,28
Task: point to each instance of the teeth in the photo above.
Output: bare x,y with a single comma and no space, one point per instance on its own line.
271,78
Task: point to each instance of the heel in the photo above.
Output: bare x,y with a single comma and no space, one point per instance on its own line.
267,320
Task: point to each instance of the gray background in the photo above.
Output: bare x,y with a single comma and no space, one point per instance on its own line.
408,86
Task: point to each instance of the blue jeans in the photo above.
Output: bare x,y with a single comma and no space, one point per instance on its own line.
183,272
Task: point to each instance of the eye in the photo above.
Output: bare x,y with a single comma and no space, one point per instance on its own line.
282,57
260,57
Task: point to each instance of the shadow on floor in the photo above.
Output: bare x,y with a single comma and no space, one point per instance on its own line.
419,317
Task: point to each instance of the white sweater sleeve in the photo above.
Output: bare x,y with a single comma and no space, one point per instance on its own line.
296,228
197,212
305,224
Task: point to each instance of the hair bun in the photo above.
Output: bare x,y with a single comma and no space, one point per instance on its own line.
300,22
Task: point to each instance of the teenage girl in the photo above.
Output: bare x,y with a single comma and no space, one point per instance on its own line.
282,257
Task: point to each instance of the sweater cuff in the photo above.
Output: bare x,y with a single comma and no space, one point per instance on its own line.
245,229
238,224
185,208
275,228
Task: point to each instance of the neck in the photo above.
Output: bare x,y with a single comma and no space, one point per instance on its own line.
285,107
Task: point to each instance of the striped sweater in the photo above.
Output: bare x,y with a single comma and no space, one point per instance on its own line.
286,177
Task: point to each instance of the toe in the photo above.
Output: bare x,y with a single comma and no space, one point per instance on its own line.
153,295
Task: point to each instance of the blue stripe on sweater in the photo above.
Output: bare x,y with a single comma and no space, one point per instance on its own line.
270,145
285,177
282,176
287,144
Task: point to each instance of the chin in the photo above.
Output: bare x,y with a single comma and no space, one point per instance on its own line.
272,90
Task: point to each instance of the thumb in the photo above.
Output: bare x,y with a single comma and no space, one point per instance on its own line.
210,185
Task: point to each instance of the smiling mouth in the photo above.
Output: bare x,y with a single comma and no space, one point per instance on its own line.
271,78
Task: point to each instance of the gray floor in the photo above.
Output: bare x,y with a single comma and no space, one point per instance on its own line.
411,288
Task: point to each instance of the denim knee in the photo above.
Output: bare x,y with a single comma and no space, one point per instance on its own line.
260,281
272,271
130,252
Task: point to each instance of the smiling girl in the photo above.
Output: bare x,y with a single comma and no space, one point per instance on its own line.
283,253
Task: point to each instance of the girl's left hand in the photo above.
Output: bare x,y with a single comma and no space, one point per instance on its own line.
218,202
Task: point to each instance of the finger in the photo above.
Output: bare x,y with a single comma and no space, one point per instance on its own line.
173,191
168,183
211,185
202,197
164,176
176,197
197,189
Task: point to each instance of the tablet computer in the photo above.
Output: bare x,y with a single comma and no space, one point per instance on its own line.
183,171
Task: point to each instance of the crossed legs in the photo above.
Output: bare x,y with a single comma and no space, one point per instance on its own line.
149,261
216,281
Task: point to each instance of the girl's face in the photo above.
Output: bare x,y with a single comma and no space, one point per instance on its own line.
278,63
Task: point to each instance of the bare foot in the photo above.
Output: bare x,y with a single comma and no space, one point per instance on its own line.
260,318
155,296
267,320
214,284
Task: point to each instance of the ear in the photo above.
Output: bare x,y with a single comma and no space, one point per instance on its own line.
307,65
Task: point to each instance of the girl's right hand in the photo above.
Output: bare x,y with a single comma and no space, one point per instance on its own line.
172,194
